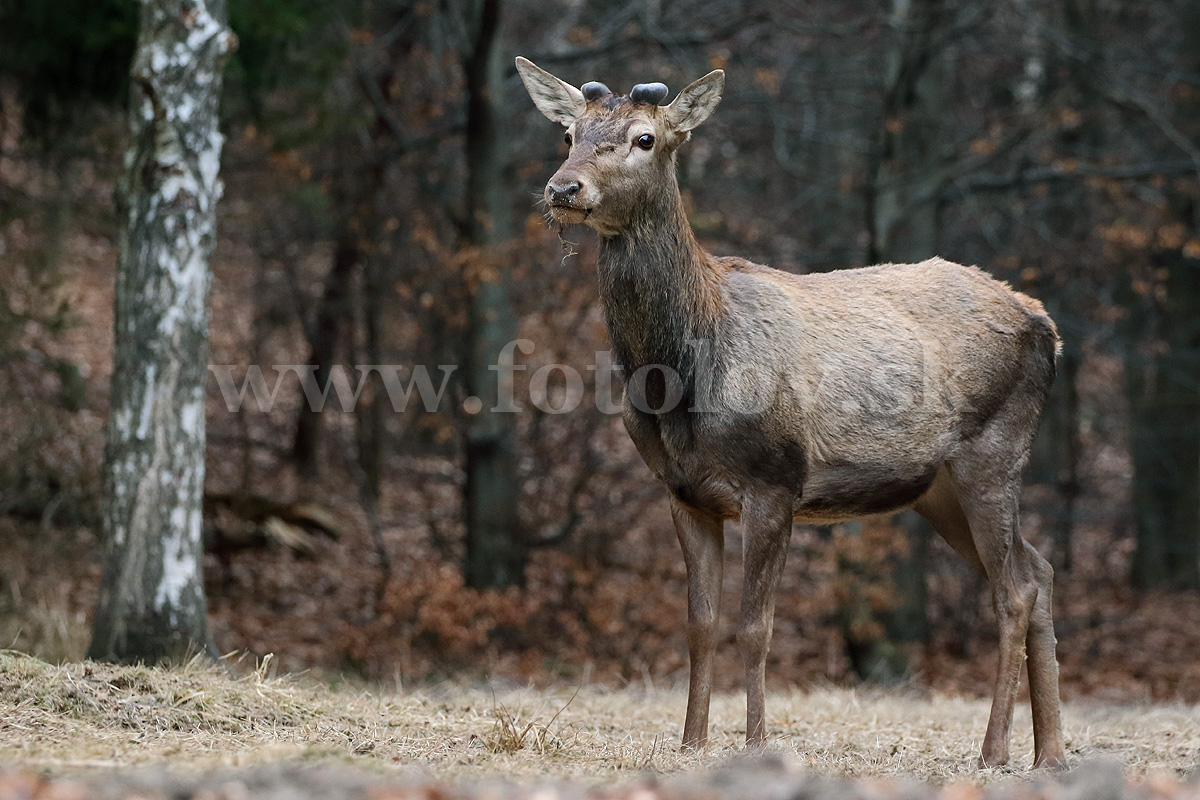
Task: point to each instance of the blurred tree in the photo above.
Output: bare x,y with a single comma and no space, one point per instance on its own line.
63,64
496,551
1056,453
1162,379
903,192
66,55
152,603
302,50
1164,407
328,330
283,45
848,134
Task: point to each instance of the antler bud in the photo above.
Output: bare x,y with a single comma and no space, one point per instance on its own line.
651,93
593,90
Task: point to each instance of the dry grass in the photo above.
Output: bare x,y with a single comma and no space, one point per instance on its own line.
75,716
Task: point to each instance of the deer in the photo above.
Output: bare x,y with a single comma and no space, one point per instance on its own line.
775,398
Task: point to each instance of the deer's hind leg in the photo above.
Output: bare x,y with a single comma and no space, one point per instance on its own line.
1040,645
980,521
940,506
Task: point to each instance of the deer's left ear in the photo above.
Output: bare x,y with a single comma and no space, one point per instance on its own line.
558,100
696,102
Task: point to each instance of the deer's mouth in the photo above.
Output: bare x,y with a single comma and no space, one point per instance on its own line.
566,214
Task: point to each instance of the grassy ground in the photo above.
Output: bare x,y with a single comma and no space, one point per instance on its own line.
63,719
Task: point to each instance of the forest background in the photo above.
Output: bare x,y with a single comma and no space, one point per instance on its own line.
1055,143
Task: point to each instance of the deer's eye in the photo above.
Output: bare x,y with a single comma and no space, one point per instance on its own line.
645,141
567,139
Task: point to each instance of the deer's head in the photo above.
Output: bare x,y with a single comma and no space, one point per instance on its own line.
622,148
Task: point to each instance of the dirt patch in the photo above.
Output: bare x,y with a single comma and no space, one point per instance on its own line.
747,781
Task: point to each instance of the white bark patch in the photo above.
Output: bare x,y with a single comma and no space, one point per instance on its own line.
177,183
210,161
147,404
179,562
191,418
204,28
185,108
158,60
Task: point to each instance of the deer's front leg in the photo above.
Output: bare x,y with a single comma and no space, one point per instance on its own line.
767,528
702,538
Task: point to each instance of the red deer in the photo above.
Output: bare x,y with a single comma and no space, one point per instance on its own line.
776,398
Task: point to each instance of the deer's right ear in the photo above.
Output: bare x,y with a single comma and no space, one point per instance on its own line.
558,100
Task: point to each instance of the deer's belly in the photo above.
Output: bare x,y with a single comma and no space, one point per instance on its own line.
711,469
837,492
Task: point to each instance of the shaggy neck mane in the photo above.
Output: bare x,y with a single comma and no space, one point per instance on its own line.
659,288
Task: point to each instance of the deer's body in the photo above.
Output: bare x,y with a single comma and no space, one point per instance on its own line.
869,404
814,398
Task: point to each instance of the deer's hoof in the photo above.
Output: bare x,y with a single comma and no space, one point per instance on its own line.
994,761
1051,763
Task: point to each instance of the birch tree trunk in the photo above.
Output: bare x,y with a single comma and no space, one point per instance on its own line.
152,605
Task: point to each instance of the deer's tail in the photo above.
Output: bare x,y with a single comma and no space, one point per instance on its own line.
1041,320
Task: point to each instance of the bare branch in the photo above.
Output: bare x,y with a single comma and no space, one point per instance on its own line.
998,181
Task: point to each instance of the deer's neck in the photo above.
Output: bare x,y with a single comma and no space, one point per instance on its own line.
660,290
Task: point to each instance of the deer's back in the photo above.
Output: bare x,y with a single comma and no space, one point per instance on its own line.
890,332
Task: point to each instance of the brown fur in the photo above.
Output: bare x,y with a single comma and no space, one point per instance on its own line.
812,398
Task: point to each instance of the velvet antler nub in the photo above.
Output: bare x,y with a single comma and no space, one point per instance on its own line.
593,90
651,93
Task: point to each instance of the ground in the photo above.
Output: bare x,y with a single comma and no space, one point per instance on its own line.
96,729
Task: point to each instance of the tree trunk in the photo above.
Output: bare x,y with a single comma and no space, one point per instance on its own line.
1164,398
1164,409
324,339
1057,448
903,229
496,551
371,412
907,155
152,605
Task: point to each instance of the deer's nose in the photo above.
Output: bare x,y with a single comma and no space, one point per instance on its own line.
565,193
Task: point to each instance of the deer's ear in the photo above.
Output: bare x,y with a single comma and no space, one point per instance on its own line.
557,99
696,102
